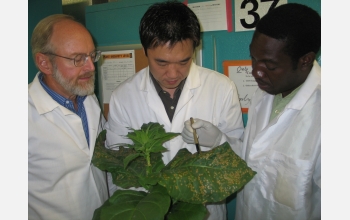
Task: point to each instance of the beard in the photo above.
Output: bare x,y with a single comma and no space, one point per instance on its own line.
74,87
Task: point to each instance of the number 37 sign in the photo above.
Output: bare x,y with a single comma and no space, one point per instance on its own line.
249,12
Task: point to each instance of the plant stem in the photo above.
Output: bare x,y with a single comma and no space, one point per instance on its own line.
149,166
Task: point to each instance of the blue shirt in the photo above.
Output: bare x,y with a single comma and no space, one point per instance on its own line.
69,105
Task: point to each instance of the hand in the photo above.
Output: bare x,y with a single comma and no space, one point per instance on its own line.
208,134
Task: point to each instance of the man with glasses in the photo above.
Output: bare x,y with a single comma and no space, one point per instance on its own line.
64,119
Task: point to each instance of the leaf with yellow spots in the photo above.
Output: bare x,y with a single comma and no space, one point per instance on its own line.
210,176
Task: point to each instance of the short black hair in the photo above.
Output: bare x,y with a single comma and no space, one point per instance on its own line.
297,25
170,21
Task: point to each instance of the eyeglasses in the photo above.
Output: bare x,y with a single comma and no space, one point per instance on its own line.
80,59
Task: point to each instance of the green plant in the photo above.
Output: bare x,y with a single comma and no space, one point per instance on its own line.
178,190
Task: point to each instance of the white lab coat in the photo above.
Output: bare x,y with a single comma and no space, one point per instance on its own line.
62,182
207,95
286,154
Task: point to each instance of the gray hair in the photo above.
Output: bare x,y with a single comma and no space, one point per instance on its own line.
40,41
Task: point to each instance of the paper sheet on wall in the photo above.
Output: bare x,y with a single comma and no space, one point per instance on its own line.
211,15
245,83
116,67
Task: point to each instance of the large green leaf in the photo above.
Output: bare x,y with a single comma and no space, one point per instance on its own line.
184,210
131,205
210,176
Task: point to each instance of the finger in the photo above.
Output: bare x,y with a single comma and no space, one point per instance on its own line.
187,139
187,122
198,123
187,134
188,127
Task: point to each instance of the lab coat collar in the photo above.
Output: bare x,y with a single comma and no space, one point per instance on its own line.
45,104
39,95
193,81
146,80
152,97
312,81
264,106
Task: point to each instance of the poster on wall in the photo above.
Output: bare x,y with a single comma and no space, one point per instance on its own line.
116,67
248,13
240,72
212,15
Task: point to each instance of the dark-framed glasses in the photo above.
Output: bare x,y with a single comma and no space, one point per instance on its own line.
80,59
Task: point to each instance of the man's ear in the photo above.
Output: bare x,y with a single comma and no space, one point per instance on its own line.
44,64
306,61
144,51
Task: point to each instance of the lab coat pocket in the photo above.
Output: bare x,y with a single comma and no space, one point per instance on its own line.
287,180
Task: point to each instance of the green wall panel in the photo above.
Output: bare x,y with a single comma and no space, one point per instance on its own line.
37,10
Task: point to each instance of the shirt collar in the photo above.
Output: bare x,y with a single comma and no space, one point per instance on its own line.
60,99
159,88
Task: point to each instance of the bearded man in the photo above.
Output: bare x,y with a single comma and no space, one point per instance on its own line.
64,118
